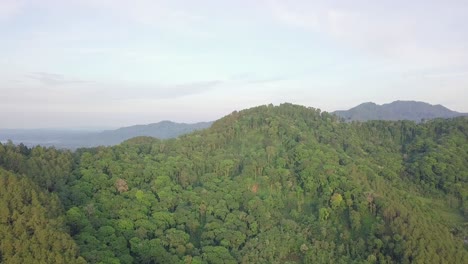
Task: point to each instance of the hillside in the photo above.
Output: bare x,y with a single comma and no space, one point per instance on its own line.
73,139
270,184
32,229
398,110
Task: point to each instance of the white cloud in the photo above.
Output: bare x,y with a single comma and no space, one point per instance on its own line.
52,79
421,36
46,91
168,15
10,8
285,14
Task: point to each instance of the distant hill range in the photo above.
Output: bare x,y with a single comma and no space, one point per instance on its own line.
398,110
73,139
77,139
161,130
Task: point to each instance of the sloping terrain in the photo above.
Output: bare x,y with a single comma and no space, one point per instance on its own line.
271,184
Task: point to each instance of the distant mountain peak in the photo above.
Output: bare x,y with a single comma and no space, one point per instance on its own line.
397,110
367,103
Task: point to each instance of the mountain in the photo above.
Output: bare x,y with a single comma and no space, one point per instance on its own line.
270,184
76,139
161,130
398,110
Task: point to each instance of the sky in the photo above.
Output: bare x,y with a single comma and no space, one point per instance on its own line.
113,63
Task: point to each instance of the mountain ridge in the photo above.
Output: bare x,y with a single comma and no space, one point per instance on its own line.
397,110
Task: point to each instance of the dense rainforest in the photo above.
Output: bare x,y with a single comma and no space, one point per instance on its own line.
271,184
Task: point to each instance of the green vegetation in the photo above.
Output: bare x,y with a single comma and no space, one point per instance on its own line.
31,225
284,184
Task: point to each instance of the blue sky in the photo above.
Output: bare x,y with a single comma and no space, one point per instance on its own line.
112,63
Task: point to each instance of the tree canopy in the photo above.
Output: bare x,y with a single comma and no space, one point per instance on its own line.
271,184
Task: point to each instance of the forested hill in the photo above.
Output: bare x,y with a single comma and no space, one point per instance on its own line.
271,184
398,110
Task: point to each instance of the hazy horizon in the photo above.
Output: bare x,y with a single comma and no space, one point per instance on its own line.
108,64
97,128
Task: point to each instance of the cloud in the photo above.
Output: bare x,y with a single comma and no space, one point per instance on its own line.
253,78
10,8
420,34
447,75
56,92
168,91
46,78
157,13
287,15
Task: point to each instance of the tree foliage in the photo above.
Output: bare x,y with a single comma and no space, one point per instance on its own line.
285,184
